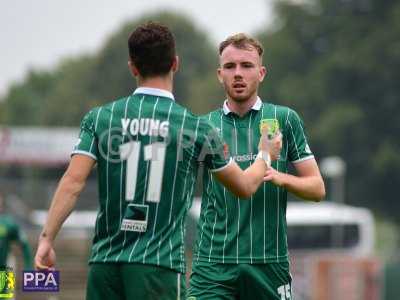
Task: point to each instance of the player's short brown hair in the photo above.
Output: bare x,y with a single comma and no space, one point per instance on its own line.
241,41
152,49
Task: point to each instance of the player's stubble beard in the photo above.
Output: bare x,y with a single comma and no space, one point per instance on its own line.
241,97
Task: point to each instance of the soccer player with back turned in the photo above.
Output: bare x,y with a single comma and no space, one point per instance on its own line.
241,248
147,149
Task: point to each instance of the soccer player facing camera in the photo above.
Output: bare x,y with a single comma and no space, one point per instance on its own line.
241,248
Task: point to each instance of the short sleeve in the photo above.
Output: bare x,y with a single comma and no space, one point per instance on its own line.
213,151
298,148
87,141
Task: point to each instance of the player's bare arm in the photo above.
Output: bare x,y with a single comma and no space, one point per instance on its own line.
308,184
245,183
68,190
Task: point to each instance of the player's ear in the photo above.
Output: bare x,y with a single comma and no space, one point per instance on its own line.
133,69
219,75
175,64
263,73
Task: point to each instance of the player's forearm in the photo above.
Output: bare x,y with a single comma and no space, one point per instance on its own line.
62,205
306,187
253,176
242,183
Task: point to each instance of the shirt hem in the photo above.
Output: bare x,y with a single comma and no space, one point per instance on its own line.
111,261
302,159
84,153
247,260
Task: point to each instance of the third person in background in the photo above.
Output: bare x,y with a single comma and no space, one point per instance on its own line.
241,250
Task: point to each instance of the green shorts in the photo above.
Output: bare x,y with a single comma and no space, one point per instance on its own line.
219,281
119,281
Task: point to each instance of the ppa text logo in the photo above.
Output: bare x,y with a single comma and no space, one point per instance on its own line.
41,281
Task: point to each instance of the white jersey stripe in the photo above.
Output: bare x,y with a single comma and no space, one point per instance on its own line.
189,196
95,126
238,200
107,175
294,140
277,213
144,192
215,221
159,243
121,197
208,201
250,138
100,214
264,228
277,216
226,205
176,166
178,288
140,234
179,148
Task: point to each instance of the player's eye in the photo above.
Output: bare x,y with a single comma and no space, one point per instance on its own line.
247,65
229,66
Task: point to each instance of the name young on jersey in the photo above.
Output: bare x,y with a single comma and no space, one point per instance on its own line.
145,126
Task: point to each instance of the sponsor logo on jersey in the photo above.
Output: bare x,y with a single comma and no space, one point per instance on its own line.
245,157
135,219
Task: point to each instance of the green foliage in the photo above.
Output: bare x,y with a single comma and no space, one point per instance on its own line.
337,63
79,83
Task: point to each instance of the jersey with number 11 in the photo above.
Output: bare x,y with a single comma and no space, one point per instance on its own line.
148,150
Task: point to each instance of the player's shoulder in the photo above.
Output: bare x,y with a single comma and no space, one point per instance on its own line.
104,112
113,105
214,114
183,114
207,126
180,109
281,112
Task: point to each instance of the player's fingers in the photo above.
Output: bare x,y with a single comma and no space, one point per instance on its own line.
41,262
268,178
39,265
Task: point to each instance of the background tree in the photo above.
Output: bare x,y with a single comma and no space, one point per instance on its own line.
338,63
79,83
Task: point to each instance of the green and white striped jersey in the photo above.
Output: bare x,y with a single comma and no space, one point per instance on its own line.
231,230
148,150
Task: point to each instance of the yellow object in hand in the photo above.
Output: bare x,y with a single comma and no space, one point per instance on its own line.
270,127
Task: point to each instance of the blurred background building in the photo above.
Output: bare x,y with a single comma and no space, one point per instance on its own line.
337,62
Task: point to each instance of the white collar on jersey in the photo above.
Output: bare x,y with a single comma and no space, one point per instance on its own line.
257,106
154,92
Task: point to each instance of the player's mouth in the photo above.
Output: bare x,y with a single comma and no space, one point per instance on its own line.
239,86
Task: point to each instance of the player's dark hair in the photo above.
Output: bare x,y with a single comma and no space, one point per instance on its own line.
241,41
152,49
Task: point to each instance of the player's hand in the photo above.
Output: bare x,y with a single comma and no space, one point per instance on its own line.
273,146
45,257
274,176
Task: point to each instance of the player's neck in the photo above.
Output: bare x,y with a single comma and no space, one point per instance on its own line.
162,83
242,107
